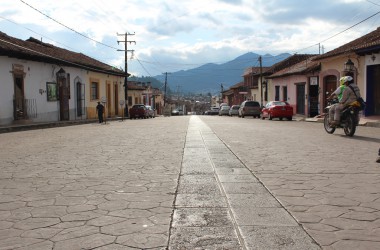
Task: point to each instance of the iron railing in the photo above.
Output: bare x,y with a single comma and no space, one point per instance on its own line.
24,108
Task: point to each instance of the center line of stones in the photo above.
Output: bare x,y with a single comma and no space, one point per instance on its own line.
233,219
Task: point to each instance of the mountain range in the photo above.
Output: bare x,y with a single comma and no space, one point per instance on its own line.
209,77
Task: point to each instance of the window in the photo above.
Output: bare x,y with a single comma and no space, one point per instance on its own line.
285,93
94,91
277,93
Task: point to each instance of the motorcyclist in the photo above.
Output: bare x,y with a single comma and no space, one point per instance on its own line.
348,97
339,94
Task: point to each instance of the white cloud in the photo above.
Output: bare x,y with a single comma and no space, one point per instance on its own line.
173,35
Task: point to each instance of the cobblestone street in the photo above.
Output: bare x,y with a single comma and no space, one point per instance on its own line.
190,182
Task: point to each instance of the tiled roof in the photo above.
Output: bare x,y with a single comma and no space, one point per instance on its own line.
300,68
35,50
288,62
254,70
369,42
237,85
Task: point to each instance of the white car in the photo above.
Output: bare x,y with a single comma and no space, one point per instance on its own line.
150,111
224,110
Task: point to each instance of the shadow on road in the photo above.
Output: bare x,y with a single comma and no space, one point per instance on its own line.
362,138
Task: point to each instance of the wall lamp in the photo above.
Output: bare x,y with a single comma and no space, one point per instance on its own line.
349,65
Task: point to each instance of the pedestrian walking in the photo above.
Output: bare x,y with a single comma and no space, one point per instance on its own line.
100,111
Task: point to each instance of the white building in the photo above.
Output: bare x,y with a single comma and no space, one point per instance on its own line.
42,83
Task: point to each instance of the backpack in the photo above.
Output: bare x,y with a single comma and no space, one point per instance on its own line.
358,99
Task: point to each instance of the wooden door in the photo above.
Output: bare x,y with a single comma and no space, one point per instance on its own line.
64,95
330,85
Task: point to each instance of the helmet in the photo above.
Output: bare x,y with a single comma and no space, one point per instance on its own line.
345,79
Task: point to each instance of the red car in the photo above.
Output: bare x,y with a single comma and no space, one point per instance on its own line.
138,111
277,109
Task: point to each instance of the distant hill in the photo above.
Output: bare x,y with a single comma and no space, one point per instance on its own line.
208,78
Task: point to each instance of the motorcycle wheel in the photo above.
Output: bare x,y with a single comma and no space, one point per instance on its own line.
350,126
326,124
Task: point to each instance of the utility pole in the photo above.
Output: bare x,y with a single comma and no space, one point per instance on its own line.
166,82
261,80
221,92
126,66
178,92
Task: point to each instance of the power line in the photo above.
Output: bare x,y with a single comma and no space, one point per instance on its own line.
64,45
351,27
69,27
340,32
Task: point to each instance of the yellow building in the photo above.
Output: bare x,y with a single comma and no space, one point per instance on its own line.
107,89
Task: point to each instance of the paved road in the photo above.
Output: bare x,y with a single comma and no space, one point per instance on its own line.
329,183
189,183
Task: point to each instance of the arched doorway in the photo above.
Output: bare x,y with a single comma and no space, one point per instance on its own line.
330,85
80,97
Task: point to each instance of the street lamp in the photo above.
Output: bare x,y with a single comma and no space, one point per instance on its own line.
349,66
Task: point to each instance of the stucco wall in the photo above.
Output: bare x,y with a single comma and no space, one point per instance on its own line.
103,80
36,75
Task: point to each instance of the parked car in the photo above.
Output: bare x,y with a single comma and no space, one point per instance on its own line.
224,110
138,111
234,110
151,113
213,111
175,112
250,108
277,109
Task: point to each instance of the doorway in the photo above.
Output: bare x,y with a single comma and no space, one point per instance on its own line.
64,95
116,98
373,90
330,85
285,93
19,102
300,108
313,97
108,92
80,98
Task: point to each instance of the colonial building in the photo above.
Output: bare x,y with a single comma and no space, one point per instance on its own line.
40,82
359,58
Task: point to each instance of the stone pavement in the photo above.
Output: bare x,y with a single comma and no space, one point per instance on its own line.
146,184
139,184
329,183
220,204
91,186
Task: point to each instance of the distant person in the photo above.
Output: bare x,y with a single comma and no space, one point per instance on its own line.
100,111
378,157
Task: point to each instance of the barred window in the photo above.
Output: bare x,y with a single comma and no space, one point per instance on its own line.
94,91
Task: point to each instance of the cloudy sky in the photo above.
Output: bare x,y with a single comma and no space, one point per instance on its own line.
172,35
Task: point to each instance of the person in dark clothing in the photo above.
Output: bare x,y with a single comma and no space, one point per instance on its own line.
378,157
100,111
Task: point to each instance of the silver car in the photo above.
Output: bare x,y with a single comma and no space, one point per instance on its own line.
150,111
250,108
234,110
224,110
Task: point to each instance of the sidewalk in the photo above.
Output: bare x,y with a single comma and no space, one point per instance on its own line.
42,125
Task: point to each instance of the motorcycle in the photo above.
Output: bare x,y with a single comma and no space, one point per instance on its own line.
348,120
